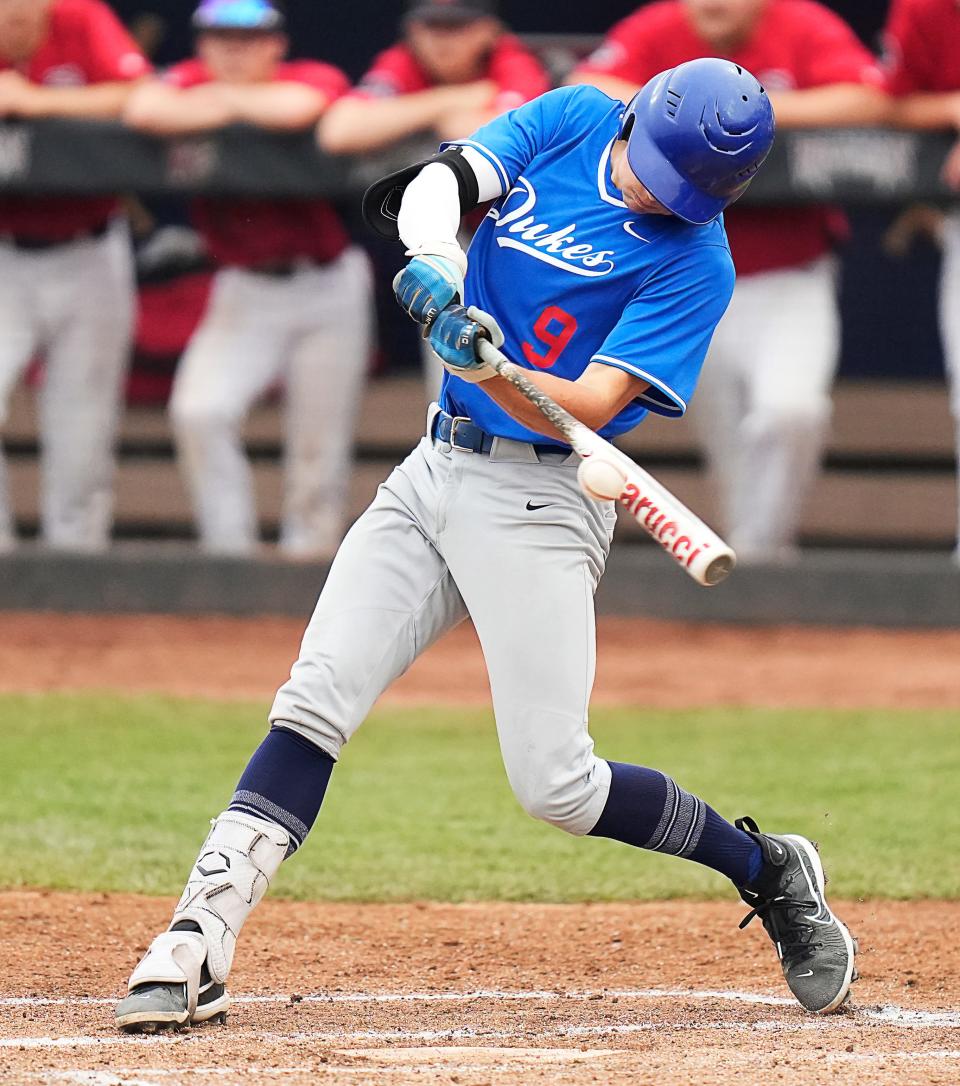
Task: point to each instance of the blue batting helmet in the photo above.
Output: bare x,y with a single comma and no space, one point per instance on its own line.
248,15
697,134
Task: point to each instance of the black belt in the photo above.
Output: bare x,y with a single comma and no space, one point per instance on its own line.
41,245
461,433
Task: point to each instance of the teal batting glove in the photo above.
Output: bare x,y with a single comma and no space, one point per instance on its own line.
454,337
426,286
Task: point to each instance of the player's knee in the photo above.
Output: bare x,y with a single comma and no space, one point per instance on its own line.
570,801
802,417
790,423
191,415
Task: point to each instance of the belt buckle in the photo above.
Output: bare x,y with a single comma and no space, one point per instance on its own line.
454,423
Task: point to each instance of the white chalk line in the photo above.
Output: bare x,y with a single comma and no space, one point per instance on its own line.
887,1057
821,1025
888,1016
391,1061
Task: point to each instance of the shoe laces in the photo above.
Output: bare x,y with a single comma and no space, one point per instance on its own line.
785,922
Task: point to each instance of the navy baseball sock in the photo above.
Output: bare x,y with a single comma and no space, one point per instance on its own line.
649,810
285,782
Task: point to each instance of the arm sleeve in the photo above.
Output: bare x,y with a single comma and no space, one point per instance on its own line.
430,212
510,142
113,55
834,54
665,331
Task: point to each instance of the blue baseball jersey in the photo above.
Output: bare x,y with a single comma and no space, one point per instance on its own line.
573,276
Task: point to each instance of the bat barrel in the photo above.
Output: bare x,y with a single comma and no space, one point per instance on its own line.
692,544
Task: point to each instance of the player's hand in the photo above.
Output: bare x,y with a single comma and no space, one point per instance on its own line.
454,338
426,286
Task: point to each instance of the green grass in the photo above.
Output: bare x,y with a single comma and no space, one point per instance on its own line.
109,793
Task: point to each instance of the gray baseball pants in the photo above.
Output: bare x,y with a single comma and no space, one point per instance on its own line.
449,535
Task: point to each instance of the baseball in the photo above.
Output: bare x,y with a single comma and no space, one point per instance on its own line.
601,479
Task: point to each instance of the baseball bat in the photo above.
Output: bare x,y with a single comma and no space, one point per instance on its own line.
692,544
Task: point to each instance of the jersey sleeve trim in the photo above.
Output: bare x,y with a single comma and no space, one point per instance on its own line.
488,155
659,398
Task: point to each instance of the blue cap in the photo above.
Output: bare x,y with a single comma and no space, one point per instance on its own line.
697,134
251,15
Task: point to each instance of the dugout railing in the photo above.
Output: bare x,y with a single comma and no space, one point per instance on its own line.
889,478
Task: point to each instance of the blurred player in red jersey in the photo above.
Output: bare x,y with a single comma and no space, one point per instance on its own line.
456,69
923,70
765,391
66,269
292,298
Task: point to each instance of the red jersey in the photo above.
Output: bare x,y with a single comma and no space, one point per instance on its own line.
253,233
922,42
85,43
519,76
795,45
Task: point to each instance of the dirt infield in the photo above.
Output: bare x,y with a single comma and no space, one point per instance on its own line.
692,664
481,994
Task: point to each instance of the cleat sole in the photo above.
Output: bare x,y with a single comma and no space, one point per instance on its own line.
153,1028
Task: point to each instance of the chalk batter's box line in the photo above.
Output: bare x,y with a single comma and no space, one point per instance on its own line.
887,1016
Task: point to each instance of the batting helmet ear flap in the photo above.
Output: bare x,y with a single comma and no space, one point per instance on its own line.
629,119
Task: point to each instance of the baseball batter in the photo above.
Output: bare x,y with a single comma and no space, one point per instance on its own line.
768,379
286,275
923,69
603,269
66,269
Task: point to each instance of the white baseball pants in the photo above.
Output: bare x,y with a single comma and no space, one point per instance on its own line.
763,404
75,304
450,534
950,327
313,331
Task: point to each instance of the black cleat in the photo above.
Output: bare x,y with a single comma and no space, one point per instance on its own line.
155,1006
816,950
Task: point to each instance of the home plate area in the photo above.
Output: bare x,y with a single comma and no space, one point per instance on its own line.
480,993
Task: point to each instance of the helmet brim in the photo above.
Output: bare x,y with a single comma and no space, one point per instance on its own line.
659,177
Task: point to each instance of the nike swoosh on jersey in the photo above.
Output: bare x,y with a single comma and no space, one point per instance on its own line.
533,507
629,227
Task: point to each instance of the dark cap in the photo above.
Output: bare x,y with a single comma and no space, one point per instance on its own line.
450,12
243,15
